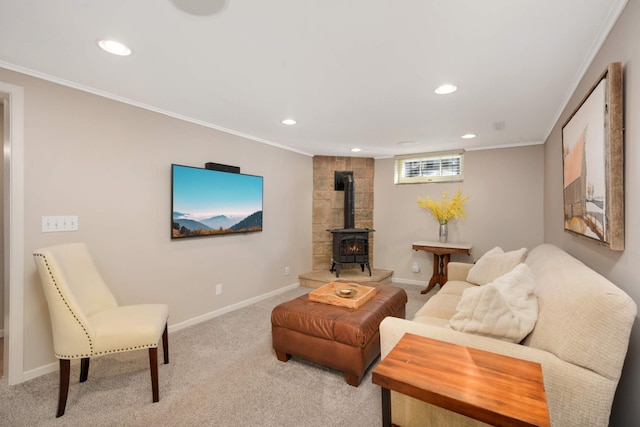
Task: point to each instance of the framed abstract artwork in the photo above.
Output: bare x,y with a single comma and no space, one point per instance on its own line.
593,164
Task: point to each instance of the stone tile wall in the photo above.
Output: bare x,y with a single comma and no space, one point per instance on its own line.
328,204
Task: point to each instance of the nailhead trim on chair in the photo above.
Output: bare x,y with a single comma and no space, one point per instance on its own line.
59,356
93,353
119,350
75,356
138,347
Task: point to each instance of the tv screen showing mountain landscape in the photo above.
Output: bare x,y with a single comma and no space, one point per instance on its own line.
211,203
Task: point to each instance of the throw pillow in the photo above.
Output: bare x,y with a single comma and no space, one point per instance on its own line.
494,264
505,309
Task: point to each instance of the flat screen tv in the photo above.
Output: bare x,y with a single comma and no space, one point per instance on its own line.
207,202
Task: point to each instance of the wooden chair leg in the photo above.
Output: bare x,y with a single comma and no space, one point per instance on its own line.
165,345
84,369
153,364
65,371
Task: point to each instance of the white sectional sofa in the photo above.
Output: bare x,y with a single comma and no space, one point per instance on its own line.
580,338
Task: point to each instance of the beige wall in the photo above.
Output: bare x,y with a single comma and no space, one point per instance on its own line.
619,267
504,209
109,163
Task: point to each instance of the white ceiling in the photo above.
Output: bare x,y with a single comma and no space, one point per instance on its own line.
353,73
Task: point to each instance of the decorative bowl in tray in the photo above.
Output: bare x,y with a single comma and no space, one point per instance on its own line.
346,293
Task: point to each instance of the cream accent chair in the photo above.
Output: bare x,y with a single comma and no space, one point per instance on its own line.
86,319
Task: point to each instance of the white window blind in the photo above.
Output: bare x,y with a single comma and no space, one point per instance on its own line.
429,167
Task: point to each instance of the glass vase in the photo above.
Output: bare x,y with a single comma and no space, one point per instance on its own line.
443,234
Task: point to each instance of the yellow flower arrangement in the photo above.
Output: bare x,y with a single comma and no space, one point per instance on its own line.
445,210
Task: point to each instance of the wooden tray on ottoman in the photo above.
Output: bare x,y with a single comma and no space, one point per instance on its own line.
328,294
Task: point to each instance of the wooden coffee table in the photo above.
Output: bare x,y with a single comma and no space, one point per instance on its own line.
498,390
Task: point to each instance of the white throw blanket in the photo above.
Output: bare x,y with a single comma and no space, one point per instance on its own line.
506,308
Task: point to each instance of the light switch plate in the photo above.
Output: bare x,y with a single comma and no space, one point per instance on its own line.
52,224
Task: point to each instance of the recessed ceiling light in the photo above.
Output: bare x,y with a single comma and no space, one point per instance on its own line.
468,135
407,143
356,150
446,89
288,122
200,7
114,47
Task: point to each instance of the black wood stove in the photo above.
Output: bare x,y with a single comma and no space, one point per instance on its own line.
350,244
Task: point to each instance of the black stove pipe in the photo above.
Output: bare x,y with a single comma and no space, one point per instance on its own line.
349,202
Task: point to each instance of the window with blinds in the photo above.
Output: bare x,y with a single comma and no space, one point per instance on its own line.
429,167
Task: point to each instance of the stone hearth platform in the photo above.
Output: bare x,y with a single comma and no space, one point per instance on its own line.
315,279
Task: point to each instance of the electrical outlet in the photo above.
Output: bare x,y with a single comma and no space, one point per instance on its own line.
415,267
218,288
287,271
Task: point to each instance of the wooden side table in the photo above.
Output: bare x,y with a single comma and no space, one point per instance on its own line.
498,390
441,256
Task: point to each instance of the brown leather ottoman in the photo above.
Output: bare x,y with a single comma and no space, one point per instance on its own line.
341,338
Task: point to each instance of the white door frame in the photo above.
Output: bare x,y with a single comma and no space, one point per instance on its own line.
13,193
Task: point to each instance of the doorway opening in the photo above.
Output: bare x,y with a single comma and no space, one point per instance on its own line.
12,237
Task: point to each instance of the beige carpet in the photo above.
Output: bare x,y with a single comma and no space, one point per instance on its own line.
223,372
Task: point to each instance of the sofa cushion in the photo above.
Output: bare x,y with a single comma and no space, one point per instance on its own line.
439,305
455,288
506,308
439,308
494,264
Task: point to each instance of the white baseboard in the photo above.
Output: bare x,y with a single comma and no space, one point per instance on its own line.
233,307
40,370
45,369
